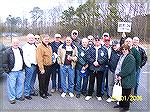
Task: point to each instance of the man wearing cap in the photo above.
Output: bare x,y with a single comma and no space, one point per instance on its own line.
76,41
97,58
106,40
112,64
55,66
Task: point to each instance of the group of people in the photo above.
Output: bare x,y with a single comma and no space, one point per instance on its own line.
77,63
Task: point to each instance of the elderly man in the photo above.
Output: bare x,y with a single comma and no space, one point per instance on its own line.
44,60
97,58
82,66
14,66
29,55
143,54
67,57
91,40
55,66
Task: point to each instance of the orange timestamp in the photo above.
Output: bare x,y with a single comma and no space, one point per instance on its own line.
131,98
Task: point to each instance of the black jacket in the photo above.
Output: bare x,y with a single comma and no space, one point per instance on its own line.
9,59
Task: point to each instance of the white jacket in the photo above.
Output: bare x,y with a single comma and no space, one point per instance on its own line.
29,54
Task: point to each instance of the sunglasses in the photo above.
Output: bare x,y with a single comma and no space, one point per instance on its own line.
97,39
74,33
37,38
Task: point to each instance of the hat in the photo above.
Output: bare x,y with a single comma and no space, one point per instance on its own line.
58,35
106,38
105,34
115,42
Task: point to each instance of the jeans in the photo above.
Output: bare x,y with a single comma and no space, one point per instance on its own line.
64,70
55,71
105,84
15,84
30,76
79,83
137,74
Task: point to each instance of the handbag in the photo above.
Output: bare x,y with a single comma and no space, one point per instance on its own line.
117,91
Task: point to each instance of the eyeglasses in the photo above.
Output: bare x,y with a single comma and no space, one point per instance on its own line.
74,33
124,49
97,39
37,38
90,39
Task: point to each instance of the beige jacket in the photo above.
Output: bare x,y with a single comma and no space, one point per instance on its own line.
62,54
43,56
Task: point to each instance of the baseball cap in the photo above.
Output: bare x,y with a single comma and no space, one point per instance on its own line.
115,42
58,35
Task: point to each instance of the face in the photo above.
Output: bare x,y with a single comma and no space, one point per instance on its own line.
15,43
68,41
90,40
57,39
135,41
125,51
46,40
97,42
107,42
85,42
129,42
30,38
37,38
74,36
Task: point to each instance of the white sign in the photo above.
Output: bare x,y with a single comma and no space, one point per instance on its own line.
124,26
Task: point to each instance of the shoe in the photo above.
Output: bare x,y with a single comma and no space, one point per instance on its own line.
44,96
63,95
109,100
12,101
28,97
48,94
88,98
60,90
34,94
84,94
117,103
20,99
78,96
117,106
99,98
71,95
53,90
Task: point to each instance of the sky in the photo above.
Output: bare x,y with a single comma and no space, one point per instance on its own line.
22,8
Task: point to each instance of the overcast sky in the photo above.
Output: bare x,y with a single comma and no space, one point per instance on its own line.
22,8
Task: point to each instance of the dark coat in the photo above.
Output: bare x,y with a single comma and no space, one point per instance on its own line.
143,56
10,59
102,58
114,58
82,59
127,72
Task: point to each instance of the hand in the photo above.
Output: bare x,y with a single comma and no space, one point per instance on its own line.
43,71
83,68
118,77
95,63
69,57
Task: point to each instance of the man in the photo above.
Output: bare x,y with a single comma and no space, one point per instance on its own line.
29,55
97,58
143,54
67,57
44,60
76,42
107,45
55,66
37,40
2,49
14,66
82,65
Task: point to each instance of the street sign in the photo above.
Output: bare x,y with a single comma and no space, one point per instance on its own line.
124,26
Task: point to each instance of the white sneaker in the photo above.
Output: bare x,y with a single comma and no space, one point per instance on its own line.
99,98
88,98
109,100
71,95
63,95
117,103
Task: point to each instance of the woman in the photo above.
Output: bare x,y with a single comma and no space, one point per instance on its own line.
125,72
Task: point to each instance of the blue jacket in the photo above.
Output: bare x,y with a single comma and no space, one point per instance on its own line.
10,59
102,58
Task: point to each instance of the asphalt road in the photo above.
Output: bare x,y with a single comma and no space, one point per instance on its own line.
55,103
